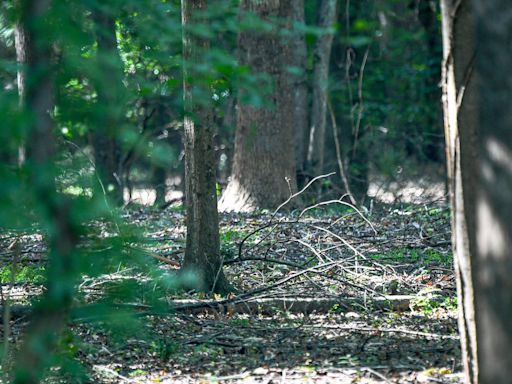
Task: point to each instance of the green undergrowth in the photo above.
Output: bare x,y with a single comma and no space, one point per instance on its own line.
230,240
25,274
434,300
413,256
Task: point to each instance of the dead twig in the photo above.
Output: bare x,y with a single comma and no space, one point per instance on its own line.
339,156
375,373
263,259
300,192
339,201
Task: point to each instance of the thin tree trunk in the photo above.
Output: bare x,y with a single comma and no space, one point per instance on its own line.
22,58
326,19
202,253
109,87
263,173
159,171
20,40
50,315
300,89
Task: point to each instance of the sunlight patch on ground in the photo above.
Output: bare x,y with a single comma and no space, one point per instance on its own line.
147,196
412,191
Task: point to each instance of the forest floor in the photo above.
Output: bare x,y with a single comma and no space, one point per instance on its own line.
335,296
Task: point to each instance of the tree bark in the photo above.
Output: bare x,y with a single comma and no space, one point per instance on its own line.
51,313
22,58
490,232
300,89
263,172
326,19
109,87
202,253
476,96
20,40
460,126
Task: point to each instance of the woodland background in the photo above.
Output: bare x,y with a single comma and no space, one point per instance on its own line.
242,190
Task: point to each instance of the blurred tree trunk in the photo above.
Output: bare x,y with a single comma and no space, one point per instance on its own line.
20,40
322,55
263,172
477,96
109,87
300,89
159,170
159,179
21,43
492,236
202,253
51,313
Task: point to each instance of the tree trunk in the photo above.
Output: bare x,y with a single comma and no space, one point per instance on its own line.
109,87
22,58
202,253
460,126
477,104
326,20
263,173
492,235
51,313
20,40
161,119
298,60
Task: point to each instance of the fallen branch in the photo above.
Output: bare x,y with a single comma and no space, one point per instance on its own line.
253,306
265,260
269,306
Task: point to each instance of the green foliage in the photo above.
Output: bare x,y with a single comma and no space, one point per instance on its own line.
416,256
432,300
26,274
165,349
384,86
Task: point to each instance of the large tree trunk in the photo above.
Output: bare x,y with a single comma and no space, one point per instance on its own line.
51,313
109,87
263,173
460,126
326,19
477,102
492,236
202,253
298,60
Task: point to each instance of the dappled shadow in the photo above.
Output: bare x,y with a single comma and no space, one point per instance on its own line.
330,252
331,347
